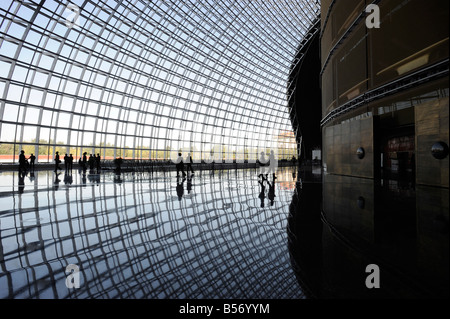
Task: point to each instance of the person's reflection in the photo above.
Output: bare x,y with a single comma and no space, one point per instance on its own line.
97,179
189,183
83,177
68,178
271,164
57,180
271,194
118,177
262,193
91,177
32,176
22,175
180,187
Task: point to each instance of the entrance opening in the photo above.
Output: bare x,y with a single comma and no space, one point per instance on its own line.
397,147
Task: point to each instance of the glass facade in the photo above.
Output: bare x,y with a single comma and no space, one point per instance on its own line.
145,79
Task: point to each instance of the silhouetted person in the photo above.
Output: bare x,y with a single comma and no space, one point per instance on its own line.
66,162
294,160
97,162
70,162
189,163
118,162
84,161
57,161
180,165
22,161
32,159
91,162
180,187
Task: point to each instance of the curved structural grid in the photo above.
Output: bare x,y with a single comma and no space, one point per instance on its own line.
147,79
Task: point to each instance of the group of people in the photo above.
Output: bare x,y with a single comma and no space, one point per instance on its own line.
93,162
267,166
26,164
180,164
68,162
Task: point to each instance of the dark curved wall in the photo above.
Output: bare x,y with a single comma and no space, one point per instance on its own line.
385,89
306,100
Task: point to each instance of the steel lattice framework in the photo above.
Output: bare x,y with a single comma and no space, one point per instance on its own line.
139,78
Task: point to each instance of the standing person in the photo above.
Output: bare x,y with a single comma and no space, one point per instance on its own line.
180,165
70,162
189,163
32,159
91,162
66,162
57,161
22,161
84,160
97,162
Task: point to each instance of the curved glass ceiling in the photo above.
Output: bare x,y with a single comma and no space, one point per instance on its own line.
144,79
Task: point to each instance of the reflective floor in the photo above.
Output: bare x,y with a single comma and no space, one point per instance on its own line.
221,234
401,228
218,234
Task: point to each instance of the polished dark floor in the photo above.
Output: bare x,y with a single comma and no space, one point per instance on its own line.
400,227
221,234
216,234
